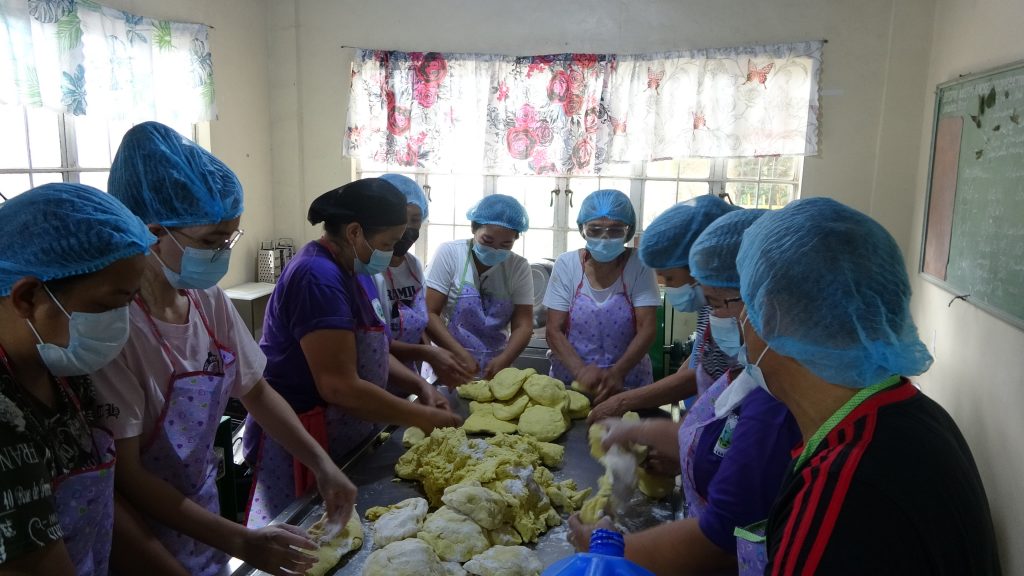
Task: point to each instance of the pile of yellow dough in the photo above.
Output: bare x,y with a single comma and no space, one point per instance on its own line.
330,553
522,401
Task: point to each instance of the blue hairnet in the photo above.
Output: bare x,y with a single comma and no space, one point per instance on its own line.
501,210
62,230
666,242
413,193
165,178
713,255
827,286
611,204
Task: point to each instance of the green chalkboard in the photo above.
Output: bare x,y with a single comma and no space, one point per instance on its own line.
974,221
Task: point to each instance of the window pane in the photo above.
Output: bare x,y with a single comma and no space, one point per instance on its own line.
13,149
658,197
624,169
743,193
581,188
688,190
742,168
532,192
778,168
44,138
94,179
40,178
620,184
775,195
117,128
694,168
574,240
442,200
13,184
93,141
437,235
537,245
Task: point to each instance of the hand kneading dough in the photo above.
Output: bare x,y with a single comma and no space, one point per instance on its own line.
543,423
485,507
402,521
579,405
412,557
545,390
479,390
454,537
484,422
506,383
505,561
511,411
330,553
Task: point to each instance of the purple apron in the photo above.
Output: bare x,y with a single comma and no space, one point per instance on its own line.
478,321
411,322
278,477
598,333
697,418
704,380
180,449
85,506
751,549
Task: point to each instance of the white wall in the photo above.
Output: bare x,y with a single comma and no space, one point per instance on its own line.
241,134
978,373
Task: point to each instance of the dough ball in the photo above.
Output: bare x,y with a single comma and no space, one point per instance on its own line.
412,557
543,423
505,561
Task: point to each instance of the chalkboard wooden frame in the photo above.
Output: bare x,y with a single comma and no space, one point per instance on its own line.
957,293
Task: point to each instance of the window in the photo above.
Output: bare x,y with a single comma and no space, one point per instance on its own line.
553,203
41,146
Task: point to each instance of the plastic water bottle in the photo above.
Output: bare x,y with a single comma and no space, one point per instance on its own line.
606,558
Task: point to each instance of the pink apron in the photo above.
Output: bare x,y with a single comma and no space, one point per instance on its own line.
278,477
598,333
478,321
85,499
180,449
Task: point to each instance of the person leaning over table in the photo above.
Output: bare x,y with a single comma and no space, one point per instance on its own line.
884,482
601,303
188,353
327,343
734,444
405,307
477,289
665,247
71,259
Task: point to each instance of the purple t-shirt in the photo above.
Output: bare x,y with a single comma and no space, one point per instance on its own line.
739,465
314,293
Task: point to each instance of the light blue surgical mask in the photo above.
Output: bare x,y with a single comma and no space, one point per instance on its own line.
490,256
744,384
726,333
200,269
94,340
605,249
379,262
686,298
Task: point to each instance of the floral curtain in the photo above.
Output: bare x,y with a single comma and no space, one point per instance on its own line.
81,58
573,113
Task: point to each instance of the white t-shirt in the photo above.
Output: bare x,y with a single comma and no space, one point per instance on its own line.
136,381
399,284
568,272
511,279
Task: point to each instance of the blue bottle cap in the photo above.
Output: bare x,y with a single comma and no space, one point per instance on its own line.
607,543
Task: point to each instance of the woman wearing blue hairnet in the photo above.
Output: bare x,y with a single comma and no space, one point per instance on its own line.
601,303
188,353
71,258
406,307
665,247
327,342
734,444
885,482
477,289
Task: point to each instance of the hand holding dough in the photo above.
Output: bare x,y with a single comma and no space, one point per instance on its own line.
330,553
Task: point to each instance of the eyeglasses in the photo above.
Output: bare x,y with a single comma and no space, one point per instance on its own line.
220,250
605,231
713,302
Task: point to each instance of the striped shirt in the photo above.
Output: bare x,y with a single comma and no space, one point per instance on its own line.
706,352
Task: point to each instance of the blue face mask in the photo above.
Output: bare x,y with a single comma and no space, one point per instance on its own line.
379,262
686,298
490,256
94,340
605,249
726,333
200,269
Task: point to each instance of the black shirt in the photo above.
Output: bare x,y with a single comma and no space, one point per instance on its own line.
38,444
892,489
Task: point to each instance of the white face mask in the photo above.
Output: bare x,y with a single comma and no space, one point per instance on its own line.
686,298
726,333
95,339
744,384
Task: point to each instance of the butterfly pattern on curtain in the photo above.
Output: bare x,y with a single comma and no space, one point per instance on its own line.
573,113
78,57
